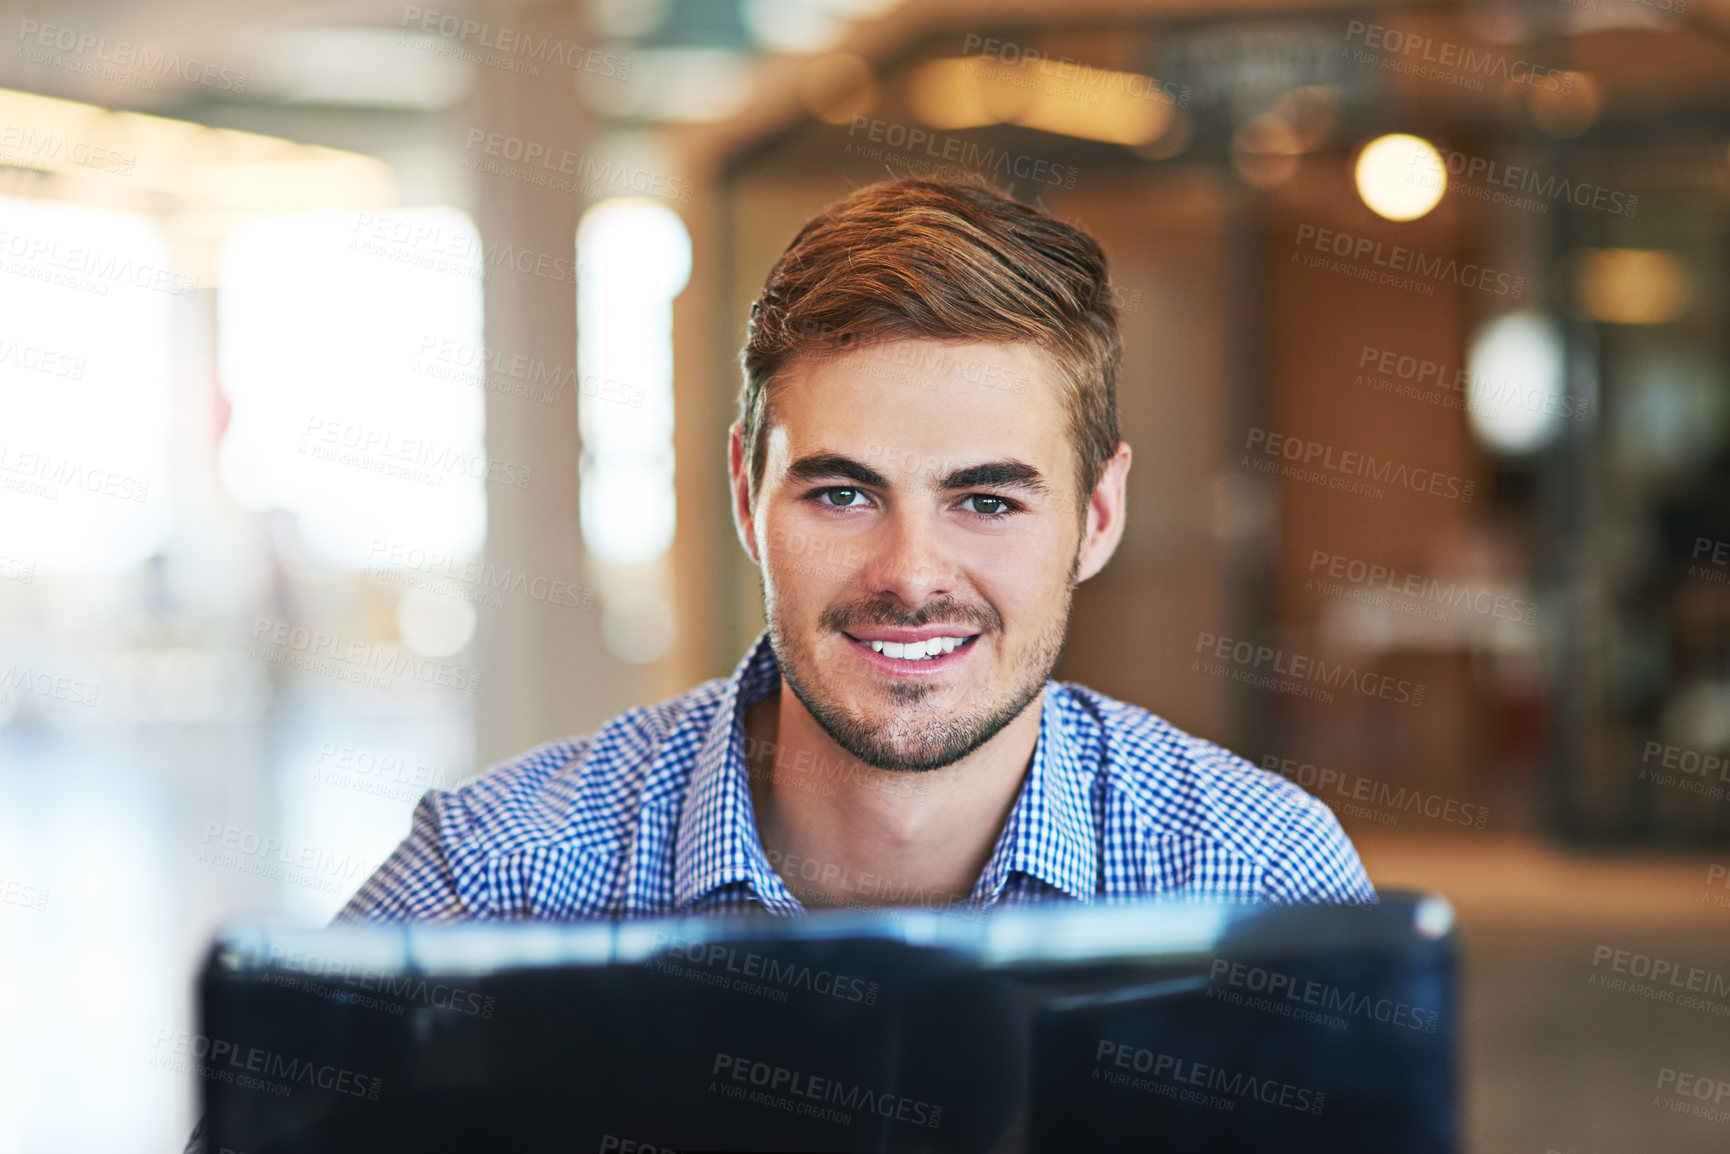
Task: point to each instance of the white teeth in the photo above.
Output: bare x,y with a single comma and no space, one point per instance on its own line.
917,650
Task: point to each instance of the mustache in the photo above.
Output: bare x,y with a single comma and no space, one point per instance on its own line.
878,611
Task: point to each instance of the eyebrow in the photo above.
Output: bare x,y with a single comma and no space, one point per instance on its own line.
828,466
999,475
1003,474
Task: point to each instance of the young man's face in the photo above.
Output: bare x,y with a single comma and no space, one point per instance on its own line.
922,492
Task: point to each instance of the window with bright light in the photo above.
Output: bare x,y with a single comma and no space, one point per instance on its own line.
351,351
84,424
635,257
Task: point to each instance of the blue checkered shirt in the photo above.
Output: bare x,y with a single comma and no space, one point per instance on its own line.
652,816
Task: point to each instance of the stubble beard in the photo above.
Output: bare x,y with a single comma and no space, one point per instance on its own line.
902,736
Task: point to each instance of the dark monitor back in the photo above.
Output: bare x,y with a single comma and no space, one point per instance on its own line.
1123,1027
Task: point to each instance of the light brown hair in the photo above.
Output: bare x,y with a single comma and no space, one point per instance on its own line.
939,260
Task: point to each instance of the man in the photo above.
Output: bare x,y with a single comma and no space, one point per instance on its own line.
925,464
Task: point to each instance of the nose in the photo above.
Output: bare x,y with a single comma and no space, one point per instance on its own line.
907,558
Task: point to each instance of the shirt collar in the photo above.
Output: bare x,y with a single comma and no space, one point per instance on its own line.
1050,834
717,843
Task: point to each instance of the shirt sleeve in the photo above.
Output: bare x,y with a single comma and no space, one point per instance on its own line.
1315,862
416,882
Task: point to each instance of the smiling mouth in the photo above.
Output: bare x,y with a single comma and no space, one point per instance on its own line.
928,649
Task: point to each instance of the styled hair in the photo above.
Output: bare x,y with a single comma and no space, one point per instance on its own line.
943,260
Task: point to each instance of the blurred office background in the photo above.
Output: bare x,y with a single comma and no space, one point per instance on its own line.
364,371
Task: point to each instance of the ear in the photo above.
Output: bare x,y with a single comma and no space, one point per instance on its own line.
738,474
1105,513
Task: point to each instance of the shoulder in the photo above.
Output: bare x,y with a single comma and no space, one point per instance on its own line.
1198,802
546,834
580,794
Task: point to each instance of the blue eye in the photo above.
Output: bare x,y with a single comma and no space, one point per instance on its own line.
989,507
846,495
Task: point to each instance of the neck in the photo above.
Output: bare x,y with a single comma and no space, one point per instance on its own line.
842,833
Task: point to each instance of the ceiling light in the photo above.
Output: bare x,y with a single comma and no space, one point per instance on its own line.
1514,395
1631,286
1401,177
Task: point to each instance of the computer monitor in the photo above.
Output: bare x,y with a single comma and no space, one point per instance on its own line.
1058,1028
